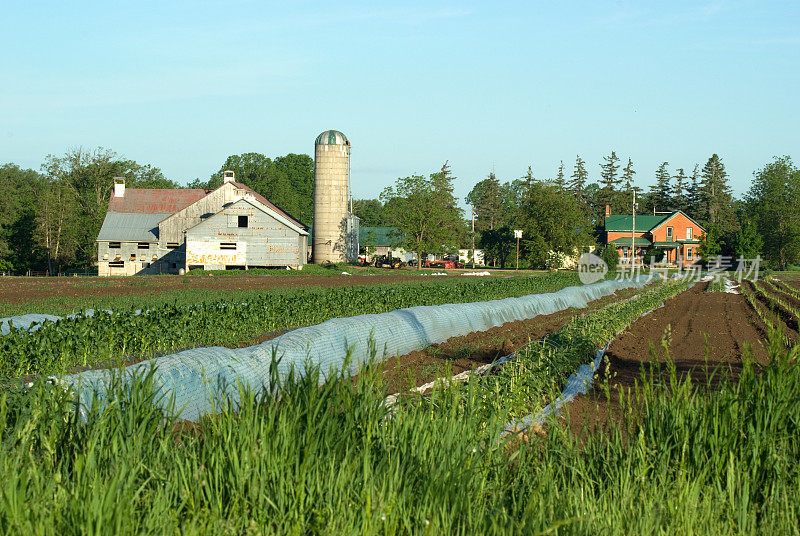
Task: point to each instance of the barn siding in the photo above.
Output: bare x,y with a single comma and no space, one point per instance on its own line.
264,242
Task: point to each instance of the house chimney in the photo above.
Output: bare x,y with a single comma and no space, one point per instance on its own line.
119,186
608,211
228,176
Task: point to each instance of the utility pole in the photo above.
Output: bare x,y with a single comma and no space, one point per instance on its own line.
633,231
473,236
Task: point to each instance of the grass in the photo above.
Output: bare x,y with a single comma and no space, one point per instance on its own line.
332,460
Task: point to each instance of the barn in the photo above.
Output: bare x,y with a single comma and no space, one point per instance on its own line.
158,231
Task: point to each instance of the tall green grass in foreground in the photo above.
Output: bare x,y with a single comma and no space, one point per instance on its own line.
331,460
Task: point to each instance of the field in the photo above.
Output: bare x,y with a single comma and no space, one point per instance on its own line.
689,427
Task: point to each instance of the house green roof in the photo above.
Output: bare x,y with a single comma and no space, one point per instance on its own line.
382,235
626,241
644,222
666,244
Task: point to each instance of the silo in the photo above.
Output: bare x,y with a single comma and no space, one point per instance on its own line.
331,174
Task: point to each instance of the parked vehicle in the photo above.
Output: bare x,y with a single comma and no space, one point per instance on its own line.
387,261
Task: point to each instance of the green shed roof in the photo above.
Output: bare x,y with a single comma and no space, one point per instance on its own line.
626,241
666,244
643,222
383,235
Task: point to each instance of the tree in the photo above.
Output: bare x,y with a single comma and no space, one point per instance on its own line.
57,224
287,181
715,197
610,256
609,186
370,212
692,194
552,220
660,197
497,244
90,177
18,206
579,178
528,177
711,243
560,181
486,200
424,211
773,203
679,198
627,177
748,243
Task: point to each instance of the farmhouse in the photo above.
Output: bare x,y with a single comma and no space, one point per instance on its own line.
154,231
675,233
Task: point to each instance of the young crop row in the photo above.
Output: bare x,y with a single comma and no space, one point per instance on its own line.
110,338
329,460
770,319
526,384
780,302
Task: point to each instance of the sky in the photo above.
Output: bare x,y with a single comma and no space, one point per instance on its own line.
484,85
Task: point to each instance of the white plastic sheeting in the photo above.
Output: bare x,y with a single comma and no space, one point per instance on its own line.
197,379
25,322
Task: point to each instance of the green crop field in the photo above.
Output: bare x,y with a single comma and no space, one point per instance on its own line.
333,459
202,318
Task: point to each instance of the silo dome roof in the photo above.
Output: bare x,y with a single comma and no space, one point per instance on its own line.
332,137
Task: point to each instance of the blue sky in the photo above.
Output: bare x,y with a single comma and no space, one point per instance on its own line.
503,85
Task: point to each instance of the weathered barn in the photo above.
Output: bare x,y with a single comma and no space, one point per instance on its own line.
165,231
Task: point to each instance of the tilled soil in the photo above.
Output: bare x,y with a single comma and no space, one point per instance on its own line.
704,333
21,290
467,352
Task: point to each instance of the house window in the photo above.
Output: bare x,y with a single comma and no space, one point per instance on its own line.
144,245
227,245
624,252
689,254
669,234
243,221
114,245
688,233
172,245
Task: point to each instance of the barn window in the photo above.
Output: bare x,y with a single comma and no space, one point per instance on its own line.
172,245
144,245
242,221
114,245
116,264
227,245
133,257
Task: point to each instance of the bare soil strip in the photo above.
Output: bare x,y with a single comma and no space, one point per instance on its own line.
468,352
706,335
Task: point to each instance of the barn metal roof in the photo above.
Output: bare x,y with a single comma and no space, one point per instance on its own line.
155,201
130,227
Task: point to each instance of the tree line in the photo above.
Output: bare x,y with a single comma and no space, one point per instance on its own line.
50,218
564,213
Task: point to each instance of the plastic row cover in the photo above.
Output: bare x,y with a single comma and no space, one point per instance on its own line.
196,378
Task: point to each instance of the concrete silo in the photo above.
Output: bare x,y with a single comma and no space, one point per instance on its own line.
331,177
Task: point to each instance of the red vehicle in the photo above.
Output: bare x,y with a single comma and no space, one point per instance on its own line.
446,264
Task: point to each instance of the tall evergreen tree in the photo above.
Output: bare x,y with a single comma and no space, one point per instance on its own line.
659,194
609,186
560,181
716,197
528,179
579,179
627,177
679,197
692,192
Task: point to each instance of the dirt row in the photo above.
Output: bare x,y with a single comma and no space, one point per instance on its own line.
459,354
21,290
704,332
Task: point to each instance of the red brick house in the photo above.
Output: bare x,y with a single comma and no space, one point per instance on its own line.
675,233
